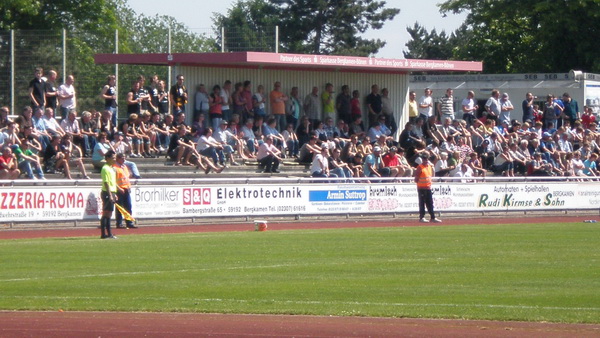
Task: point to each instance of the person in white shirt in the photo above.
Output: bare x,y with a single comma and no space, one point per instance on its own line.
268,156
226,138
201,102
67,96
469,108
426,104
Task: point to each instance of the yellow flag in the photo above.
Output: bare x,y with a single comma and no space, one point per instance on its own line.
125,214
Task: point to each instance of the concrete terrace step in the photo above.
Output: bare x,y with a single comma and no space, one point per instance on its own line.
163,168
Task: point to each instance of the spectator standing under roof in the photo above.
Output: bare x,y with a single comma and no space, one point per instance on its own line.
278,99
387,112
469,108
293,108
200,102
571,111
374,105
343,105
446,105
178,95
413,107
426,105
506,107
328,102
527,105
492,106
312,105
226,100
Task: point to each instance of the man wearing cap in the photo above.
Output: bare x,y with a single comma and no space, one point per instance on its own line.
373,166
397,163
423,176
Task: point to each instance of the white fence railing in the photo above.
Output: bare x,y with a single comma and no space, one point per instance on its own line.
67,200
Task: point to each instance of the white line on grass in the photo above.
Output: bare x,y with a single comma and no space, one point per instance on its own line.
154,272
317,302
133,273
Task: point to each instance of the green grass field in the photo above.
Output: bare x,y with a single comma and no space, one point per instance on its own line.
542,272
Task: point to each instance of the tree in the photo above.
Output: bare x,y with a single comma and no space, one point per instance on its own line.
529,35
248,25
314,26
429,45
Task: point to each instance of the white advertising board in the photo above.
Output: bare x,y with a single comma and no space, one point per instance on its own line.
31,204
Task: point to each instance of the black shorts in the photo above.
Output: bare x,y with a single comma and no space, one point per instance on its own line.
107,203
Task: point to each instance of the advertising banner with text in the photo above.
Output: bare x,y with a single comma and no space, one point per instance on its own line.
30,204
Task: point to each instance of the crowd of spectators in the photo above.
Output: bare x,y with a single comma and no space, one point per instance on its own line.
337,135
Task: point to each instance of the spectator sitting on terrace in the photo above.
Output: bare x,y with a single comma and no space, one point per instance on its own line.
475,165
590,165
248,135
291,140
454,163
308,150
10,135
71,127
27,135
357,128
356,165
365,147
519,160
350,149
464,171
270,129
304,130
538,167
209,147
393,160
128,129
28,161
183,152
441,165
374,167
72,155
337,166
382,142
52,125
54,159
89,131
227,141
8,165
504,163
320,164
268,156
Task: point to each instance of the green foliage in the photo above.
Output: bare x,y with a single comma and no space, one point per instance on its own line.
529,35
309,26
249,26
429,45
543,272
90,28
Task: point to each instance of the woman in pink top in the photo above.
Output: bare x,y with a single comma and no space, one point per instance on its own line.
215,107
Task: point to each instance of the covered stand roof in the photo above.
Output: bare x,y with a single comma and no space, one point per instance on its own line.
290,61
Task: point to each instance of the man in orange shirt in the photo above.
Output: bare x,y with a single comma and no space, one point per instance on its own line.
423,176
123,191
278,99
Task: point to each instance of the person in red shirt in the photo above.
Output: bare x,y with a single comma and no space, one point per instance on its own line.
395,160
8,165
588,117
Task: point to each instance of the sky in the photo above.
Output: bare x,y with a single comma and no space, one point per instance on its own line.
197,14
